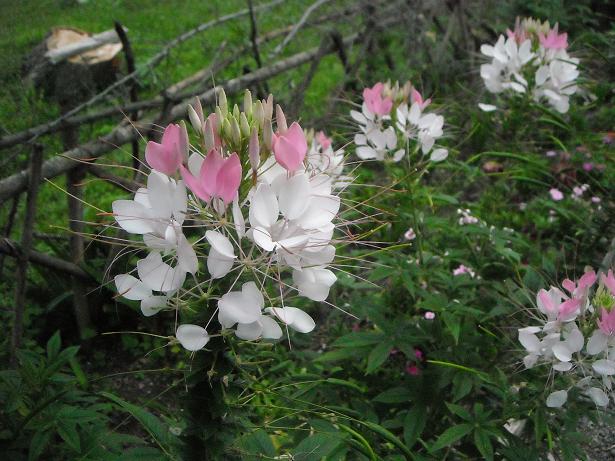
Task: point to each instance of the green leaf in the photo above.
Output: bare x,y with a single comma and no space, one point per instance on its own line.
483,443
459,411
37,444
256,446
451,435
53,346
453,325
359,339
143,454
68,432
341,354
394,395
414,423
378,356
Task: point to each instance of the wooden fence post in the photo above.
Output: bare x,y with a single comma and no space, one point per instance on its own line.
36,161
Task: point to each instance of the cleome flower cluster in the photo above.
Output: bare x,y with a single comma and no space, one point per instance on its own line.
576,337
531,60
394,121
252,213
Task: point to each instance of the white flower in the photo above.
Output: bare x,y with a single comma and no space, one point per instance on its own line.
134,289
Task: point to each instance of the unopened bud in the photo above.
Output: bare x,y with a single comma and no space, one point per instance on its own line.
209,140
268,106
225,128
244,125
220,117
268,134
195,121
280,119
247,102
254,150
236,111
222,103
258,113
235,132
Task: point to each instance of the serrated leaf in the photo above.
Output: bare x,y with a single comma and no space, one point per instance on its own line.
451,435
68,432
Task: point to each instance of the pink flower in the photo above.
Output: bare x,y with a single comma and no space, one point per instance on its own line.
463,270
410,234
550,303
551,153
418,98
218,177
553,40
375,102
609,281
290,147
588,166
419,354
556,194
167,156
596,199
519,34
607,322
323,140
429,315
412,369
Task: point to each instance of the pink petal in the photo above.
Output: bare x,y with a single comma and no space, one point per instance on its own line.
228,179
587,280
209,171
194,184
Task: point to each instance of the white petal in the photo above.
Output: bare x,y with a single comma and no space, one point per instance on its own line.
597,343
529,341
598,396
153,304
486,107
301,321
438,155
186,256
160,194
218,265
264,208
158,275
604,367
132,216
240,223
575,340
194,164
562,352
236,307
253,295
557,399
314,283
192,337
262,238
321,211
220,243
271,329
249,331
563,366
294,195
366,152
131,287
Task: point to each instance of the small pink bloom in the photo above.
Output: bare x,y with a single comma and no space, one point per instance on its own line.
323,140
587,280
556,194
551,153
607,322
410,234
463,270
596,199
375,102
588,166
519,34
412,369
219,177
418,98
577,191
430,315
609,281
290,148
553,40
167,156
419,354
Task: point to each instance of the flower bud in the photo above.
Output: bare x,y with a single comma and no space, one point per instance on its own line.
225,128
247,102
222,103
235,132
258,113
268,134
236,112
254,150
220,117
184,142
268,106
280,119
196,122
209,139
244,125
